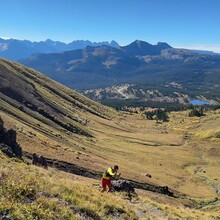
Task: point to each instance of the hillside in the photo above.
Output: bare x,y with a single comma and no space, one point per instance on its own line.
145,66
69,129
34,95
56,195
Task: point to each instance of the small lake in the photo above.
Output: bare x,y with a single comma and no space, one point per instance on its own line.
199,102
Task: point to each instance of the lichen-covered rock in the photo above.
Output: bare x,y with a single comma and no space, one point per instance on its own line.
6,150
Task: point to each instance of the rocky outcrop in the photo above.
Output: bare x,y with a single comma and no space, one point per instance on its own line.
122,185
153,188
39,161
8,142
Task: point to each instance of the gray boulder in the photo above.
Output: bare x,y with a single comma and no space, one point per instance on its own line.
122,186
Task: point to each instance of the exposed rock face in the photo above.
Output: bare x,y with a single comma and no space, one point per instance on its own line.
165,190
8,142
39,161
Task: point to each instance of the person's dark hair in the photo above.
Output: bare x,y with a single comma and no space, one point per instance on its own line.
116,167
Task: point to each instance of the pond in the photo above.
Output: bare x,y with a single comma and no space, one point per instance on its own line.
199,102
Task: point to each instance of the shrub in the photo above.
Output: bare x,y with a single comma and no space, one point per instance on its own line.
196,112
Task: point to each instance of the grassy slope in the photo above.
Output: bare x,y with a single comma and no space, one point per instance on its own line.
29,192
138,146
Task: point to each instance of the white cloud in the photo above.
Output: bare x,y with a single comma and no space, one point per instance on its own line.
7,38
208,47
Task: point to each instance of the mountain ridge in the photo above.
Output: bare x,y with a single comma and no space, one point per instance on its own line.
141,48
139,63
14,49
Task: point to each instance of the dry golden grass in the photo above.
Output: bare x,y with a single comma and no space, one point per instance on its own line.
30,192
137,145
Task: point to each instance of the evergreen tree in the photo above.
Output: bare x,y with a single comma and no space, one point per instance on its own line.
197,112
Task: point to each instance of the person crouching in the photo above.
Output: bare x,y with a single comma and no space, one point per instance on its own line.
110,173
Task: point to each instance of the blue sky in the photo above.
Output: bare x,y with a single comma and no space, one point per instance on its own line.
181,23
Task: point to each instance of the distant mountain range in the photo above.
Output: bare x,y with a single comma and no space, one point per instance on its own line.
14,49
94,67
147,69
144,66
